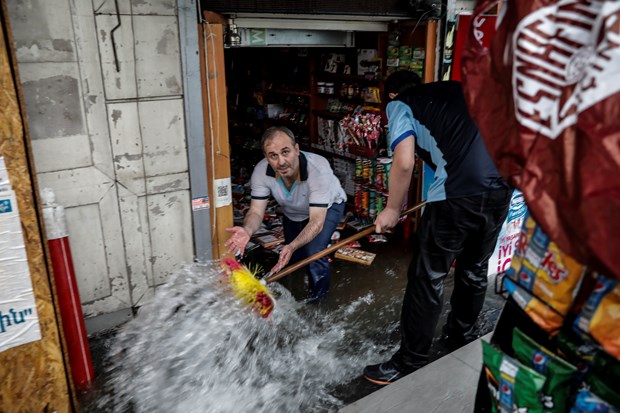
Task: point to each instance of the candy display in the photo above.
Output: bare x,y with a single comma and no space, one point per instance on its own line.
371,181
363,129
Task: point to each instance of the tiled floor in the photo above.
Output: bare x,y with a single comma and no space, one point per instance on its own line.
447,385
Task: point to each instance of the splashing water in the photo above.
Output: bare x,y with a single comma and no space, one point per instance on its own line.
195,348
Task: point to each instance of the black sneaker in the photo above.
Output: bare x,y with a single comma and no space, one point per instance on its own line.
383,374
452,340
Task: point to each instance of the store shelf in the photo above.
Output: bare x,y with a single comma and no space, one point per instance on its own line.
289,124
345,77
363,151
330,115
321,150
353,152
292,104
289,92
328,95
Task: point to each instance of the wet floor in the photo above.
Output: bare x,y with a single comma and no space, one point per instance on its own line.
356,325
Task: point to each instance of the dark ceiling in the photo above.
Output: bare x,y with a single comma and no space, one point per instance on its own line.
395,8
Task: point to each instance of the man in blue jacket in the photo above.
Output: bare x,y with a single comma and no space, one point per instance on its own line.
467,204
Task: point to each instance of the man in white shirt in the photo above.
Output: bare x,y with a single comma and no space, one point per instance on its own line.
311,198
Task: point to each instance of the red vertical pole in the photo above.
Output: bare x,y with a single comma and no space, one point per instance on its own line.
67,290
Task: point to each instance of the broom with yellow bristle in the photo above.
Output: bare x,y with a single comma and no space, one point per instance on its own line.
256,294
248,288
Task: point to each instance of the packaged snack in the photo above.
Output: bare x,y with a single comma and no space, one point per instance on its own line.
597,370
604,389
579,353
588,402
545,272
559,374
600,316
543,315
512,385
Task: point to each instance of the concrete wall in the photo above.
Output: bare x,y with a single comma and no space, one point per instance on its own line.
108,137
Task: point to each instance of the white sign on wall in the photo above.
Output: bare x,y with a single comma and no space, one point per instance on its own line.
19,323
508,235
223,192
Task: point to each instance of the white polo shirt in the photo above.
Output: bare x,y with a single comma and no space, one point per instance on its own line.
317,187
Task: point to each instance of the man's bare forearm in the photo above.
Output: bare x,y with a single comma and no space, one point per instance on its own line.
401,172
310,231
399,187
252,222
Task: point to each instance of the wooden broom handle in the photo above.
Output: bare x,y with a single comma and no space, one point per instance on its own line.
329,250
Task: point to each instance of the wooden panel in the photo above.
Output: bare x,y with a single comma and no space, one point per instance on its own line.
211,45
33,375
431,44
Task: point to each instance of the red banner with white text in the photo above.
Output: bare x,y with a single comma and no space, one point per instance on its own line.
546,96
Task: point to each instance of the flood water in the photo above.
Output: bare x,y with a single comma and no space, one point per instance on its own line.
195,348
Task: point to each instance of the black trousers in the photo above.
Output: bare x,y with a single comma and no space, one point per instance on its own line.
462,229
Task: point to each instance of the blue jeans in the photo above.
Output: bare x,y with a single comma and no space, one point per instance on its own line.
318,270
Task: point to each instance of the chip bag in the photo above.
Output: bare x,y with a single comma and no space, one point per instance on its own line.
546,318
578,352
588,402
600,316
512,385
559,373
545,273
604,389
597,370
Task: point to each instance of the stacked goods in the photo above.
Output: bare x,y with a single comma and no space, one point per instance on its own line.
355,255
417,61
598,378
344,169
536,380
392,59
542,279
532,142
405,58
600,316
559,374
513,386
579,313
269,240
405,54
362,129
371,187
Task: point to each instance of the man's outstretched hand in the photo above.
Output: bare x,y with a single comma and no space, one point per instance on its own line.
285,256
237,242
